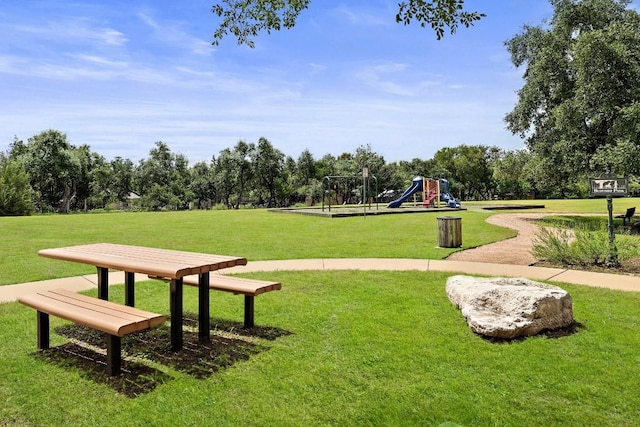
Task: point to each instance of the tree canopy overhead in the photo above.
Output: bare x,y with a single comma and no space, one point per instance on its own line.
244,19
579,108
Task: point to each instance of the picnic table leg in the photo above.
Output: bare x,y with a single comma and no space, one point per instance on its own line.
129,289
203,307
248,311
43,330
114,355
103,283
176,314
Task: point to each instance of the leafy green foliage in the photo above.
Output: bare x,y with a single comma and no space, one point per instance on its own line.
202,184
438,14
16,195
510,175
582,244
469,167
163,179
245,19
55,169
268,168
582,83
554,245
111,181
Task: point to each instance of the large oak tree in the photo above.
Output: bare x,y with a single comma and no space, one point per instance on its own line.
579,108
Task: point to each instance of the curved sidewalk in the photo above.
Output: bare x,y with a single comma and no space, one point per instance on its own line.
602,280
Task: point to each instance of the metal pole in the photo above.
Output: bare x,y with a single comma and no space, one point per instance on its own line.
365,175
612,259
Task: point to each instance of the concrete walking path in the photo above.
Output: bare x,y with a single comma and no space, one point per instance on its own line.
603,280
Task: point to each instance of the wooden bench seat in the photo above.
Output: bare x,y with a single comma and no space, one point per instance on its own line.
113,319
237,285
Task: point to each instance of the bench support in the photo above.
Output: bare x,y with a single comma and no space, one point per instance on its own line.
114,320
43,330
114,344
203,307
205,282
175,290
114,350
103,283
248,311
129,289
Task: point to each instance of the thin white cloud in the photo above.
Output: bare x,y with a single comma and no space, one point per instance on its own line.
83,68
317,68
361,16
79,30
172,32
102,61
111,37
396,79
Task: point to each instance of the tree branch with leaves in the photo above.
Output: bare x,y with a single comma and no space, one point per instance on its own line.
245,19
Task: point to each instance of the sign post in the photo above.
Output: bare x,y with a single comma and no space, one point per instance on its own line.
609,186
365,177
612,259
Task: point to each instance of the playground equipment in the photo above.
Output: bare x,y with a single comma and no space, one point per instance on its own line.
433,192
330,184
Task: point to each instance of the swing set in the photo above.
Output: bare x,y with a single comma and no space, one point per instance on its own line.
331,185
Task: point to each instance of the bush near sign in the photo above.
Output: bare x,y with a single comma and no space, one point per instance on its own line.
609,186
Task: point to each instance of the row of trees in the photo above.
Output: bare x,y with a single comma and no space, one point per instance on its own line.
47,173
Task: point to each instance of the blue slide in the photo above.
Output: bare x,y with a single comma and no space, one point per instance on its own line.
416,186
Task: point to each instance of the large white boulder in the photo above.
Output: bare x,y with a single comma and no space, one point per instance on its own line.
510,307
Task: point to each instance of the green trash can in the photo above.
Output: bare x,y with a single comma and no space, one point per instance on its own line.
449,231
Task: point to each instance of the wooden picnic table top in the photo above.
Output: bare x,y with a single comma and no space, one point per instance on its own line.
167,263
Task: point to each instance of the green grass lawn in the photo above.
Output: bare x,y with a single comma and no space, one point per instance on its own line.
346,347
254,234
356,348
594,206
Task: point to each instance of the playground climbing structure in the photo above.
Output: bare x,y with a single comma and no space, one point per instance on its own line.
433,192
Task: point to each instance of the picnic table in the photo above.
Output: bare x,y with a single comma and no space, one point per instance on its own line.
170,264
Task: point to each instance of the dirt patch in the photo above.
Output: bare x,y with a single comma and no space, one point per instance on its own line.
514,251
147,355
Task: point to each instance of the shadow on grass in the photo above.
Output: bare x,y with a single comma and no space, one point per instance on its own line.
200,360
571,329
136,378
237,328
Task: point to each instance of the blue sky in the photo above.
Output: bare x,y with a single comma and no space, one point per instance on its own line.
120,75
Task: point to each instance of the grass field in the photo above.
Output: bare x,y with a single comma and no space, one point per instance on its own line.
254,234
331,348
591,206
355,348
